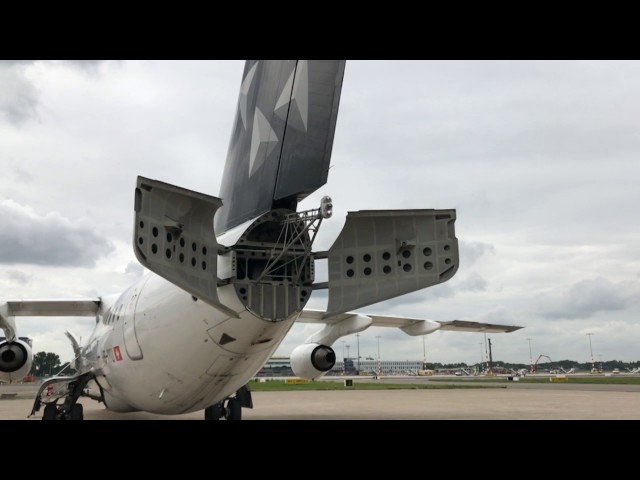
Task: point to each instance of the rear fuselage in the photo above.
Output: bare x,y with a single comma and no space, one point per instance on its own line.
161,350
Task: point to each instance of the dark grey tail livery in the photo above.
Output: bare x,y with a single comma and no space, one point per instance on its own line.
282,137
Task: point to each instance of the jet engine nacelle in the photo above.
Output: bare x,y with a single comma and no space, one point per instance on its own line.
15,360
312,360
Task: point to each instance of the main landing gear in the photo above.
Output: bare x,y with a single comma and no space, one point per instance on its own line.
231,408
55,412
69,409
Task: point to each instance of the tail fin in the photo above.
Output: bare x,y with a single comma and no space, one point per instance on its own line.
282,137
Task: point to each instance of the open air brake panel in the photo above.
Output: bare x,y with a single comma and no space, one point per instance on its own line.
381,254
174,237
270,266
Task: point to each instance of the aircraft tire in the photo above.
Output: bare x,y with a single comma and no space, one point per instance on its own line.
77,412
50,412
234,409
214,412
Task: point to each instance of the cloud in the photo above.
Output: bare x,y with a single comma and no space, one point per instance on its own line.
90,66
471,251
18,96
473,282
16,276
501,316
29,238
22,176
134,269
586,298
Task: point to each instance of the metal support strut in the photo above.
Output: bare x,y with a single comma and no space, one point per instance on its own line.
296,225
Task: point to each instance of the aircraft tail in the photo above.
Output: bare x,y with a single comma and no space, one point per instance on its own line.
279,153
282,137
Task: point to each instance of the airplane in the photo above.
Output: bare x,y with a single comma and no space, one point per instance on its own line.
230,275
567,372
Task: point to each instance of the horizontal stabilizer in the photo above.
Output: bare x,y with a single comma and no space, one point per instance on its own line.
174,236
381,254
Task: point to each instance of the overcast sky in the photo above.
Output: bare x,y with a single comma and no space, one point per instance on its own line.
540,159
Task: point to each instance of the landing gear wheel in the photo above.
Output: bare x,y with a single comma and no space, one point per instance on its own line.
50,412
77,412
233,410
214,412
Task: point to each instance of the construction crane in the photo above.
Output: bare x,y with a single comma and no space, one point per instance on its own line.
535,365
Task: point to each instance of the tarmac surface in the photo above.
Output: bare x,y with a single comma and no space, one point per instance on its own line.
514,401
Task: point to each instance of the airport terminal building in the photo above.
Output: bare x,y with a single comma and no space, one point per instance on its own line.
370,367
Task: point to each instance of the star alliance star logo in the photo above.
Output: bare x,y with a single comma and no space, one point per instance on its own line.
292,107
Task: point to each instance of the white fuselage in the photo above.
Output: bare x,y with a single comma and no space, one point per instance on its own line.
166,352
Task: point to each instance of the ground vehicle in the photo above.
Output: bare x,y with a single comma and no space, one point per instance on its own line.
533,367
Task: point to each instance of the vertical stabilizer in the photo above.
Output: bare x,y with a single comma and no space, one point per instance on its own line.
282,136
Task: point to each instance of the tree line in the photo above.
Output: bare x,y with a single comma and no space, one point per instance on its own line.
47,364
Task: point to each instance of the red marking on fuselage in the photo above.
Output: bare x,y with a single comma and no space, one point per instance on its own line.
116,352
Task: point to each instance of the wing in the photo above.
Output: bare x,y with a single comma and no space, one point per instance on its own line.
43,308
16,356
411,326
53,308
467,326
